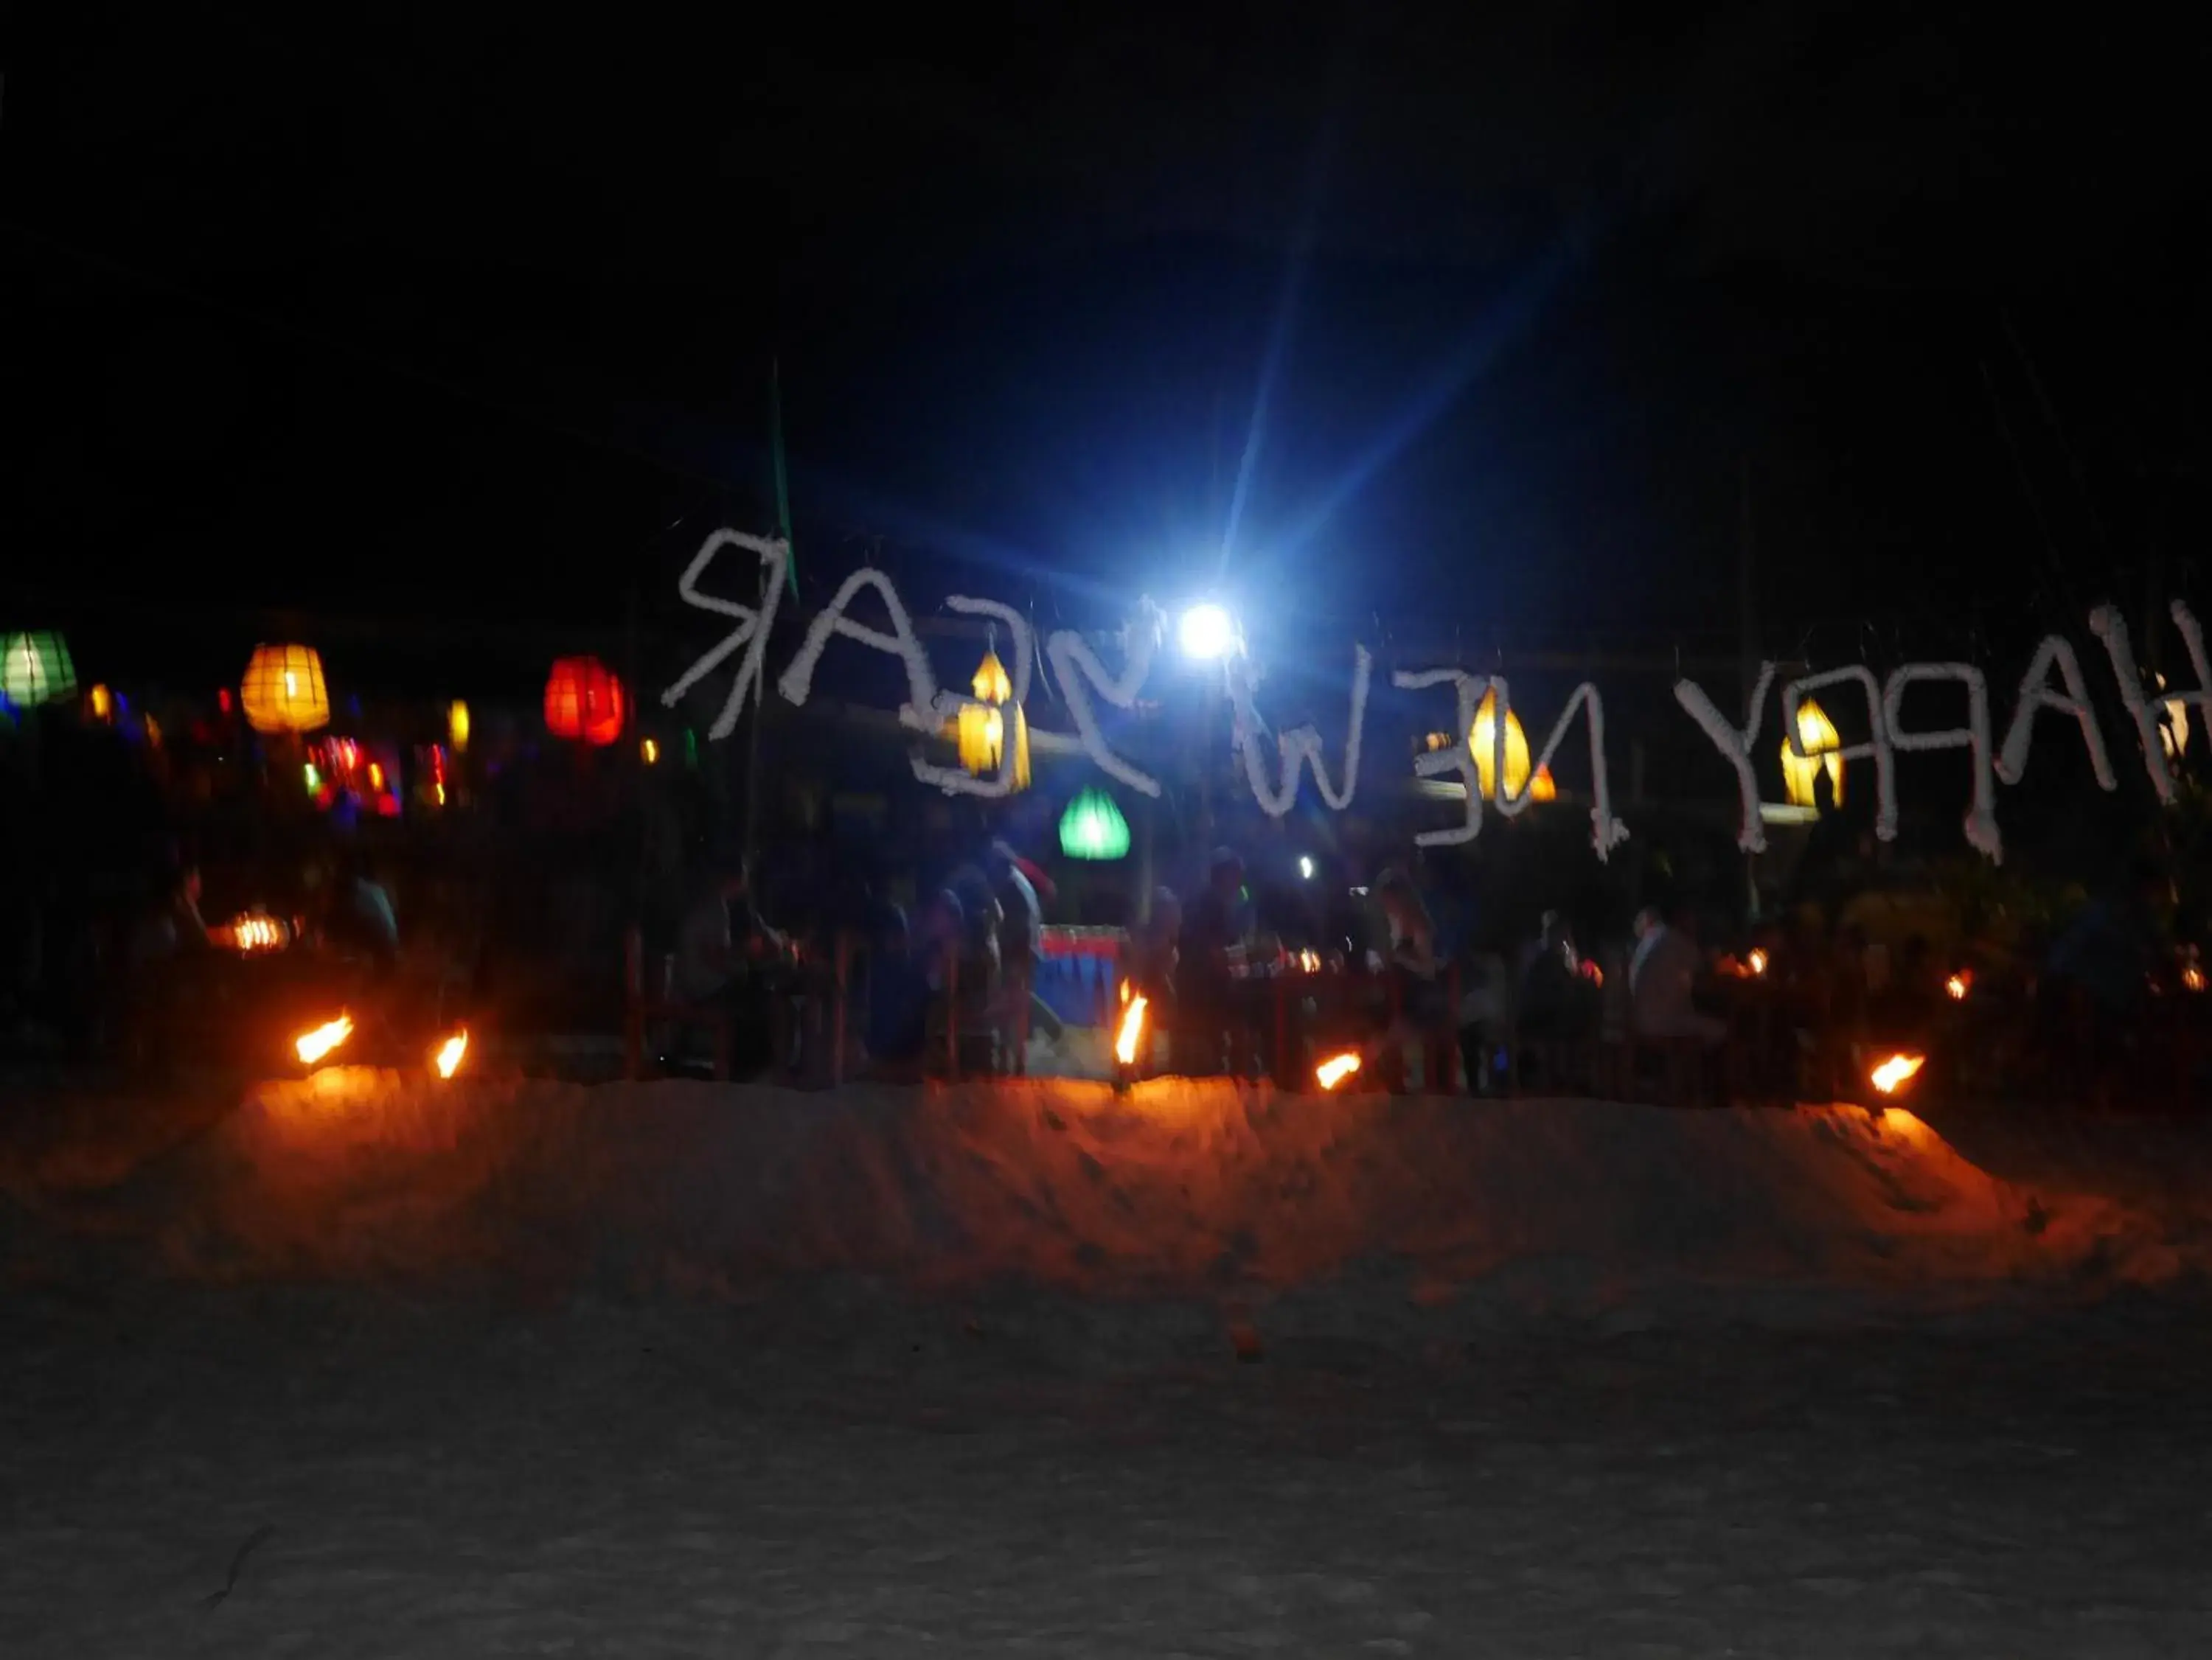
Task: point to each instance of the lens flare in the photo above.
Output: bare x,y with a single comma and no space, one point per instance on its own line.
1206,632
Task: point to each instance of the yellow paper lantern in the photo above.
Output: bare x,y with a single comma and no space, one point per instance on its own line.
2173,730
283,690
1483,739
457,727
982,730
1817,733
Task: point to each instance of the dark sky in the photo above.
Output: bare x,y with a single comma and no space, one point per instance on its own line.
402,311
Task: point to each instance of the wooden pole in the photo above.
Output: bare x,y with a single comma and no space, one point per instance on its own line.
1747,620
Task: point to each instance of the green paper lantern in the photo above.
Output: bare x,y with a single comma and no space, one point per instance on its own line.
35,668
1093,827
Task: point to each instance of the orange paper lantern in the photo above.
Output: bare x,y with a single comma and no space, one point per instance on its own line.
585,701
283,690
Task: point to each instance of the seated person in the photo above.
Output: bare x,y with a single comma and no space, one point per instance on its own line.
1152,959
2109,951
1661,1002
719,935
898,998
362,919
176,929
1557,1002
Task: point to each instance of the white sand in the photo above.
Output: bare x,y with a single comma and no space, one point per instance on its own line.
925,1444
1325,1210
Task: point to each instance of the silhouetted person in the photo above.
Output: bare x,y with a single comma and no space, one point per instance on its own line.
1213,931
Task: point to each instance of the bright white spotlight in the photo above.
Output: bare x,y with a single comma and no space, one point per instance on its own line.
1305,866
1206,632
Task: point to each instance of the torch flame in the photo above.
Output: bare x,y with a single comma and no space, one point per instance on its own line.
448,1060
1335,1070
1132,1028
1896,1072
312,1046
1958,985
1757,963
2193,978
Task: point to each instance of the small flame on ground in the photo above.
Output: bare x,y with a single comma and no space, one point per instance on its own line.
312,1046
1896,1072
1132,1028
1335,1070
2193,978
1958,985
448,1060
1756,962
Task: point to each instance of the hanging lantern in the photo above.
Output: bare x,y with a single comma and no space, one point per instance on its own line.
585,701
1483,740
1817,733
35,668
982,731
2173,730
457,727
283,690
1093,827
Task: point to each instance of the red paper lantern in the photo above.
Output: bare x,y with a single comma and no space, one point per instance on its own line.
585,701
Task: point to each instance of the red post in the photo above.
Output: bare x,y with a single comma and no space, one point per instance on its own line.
1281,1025
1449,1034
634,1003
837,1010
952,1013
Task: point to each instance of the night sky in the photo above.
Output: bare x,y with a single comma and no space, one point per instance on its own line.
407,314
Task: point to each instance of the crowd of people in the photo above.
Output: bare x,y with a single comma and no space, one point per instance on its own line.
1404,956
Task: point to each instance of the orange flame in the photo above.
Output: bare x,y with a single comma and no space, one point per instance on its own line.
1757,963
312,1046
447,1059
1958,985
1335,1070
1894,1073
2193,978
1132,1028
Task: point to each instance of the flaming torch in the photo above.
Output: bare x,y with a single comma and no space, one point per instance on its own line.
1335,1070
1898,1070
1958,985
1129,1036
446,1060
312,1046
